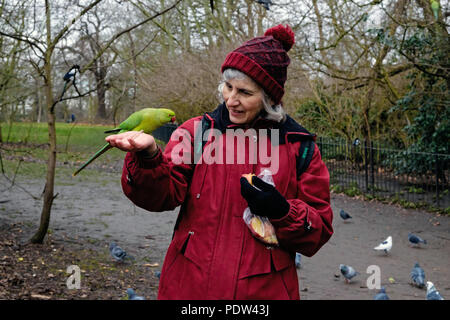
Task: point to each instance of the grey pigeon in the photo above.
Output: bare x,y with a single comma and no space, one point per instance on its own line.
344,215
416,240
418,276
298,260
118,253
432,293
348,272
158,274
381,295
133,296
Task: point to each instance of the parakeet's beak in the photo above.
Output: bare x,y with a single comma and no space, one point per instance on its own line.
172,119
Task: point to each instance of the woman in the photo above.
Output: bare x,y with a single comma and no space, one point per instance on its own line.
213,254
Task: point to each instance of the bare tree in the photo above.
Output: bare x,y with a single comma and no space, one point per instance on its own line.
44,51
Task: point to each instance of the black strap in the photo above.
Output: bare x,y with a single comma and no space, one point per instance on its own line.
304,156
199,144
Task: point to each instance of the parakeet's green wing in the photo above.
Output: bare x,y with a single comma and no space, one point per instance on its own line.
132,121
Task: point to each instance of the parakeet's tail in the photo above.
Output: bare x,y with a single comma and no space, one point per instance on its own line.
105,148
116,130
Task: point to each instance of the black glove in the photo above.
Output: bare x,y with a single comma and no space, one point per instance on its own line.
267,201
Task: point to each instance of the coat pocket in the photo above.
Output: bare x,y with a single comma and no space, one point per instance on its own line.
269,277
259,259
182,270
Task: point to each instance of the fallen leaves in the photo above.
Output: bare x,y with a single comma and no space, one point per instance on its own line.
38,272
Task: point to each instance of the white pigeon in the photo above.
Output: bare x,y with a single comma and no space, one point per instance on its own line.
385,246
432,293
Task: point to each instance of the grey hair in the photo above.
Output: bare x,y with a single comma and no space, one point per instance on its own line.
273,112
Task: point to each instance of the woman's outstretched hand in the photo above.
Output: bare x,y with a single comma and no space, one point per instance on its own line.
133,141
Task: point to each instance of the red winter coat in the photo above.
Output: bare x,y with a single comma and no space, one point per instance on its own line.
213,254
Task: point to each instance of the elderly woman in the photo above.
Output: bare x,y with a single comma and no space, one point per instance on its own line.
213,253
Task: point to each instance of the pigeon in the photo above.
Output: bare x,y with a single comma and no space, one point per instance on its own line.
385,246
118,253
432,293
418,276
381,295
344,215
133,296
416,240
158,274
298,260
348,272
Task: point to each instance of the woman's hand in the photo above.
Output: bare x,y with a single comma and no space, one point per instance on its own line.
133,141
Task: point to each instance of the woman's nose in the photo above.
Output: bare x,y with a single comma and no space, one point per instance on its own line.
232,99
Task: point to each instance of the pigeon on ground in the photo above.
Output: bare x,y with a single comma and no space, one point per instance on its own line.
118,253
158,274
418,276
385,246
344,215
432,293
298,260
133,296
381,295
348,272
416,240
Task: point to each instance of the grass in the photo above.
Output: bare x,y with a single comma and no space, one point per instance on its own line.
28,141
75,142
78,136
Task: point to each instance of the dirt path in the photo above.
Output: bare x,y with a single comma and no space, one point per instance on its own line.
92,210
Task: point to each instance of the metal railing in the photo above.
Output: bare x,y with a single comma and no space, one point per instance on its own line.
387,173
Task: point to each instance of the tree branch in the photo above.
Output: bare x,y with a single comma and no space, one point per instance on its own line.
116,36
27,40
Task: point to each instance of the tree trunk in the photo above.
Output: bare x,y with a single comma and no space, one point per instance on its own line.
100,78
51,164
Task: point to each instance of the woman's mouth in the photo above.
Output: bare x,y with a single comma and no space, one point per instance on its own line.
236,113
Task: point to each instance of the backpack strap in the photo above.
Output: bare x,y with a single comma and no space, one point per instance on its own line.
304,156
199,144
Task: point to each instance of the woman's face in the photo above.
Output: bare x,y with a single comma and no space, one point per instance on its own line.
243,99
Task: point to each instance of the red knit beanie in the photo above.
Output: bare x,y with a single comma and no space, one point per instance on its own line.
265,60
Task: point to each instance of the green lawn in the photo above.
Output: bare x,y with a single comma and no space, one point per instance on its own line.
77,137
75,144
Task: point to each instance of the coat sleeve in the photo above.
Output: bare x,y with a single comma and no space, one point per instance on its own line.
308,224
161,183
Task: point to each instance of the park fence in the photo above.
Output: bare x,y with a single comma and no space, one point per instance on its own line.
378,171
381,172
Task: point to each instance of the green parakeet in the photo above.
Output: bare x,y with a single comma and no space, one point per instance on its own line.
147,120
435,8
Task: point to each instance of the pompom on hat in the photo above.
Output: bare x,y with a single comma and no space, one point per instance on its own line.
265,60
